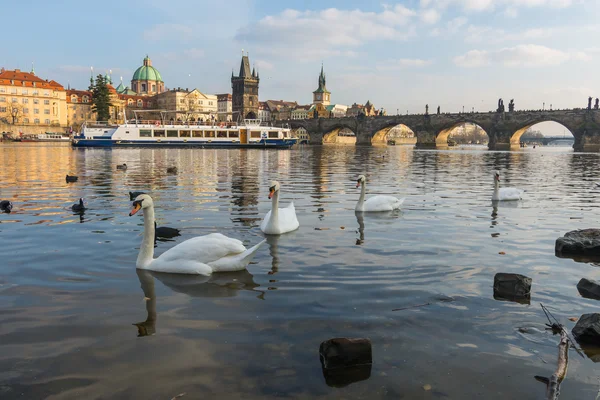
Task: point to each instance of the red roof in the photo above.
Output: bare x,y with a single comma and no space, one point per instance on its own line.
25,79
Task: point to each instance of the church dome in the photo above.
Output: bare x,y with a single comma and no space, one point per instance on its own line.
147,72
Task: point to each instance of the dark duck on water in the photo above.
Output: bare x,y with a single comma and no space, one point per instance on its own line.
78,207
6,206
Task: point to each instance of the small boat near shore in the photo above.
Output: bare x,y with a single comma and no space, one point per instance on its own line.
45,137
251,133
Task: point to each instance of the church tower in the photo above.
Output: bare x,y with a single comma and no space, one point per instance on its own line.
321,95
245,91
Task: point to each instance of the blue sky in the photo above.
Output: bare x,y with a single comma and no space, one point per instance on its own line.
400,55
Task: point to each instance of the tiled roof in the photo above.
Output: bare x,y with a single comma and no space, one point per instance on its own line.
25,79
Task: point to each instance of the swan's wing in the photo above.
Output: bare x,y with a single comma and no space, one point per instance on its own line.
509,193
382,203
287,218
202,249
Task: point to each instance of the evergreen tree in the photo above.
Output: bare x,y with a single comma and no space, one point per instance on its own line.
100,98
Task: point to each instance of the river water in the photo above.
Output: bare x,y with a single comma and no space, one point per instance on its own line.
70,295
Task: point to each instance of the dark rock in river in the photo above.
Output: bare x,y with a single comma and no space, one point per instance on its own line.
589,288
345,361
514,287
581,242
587,329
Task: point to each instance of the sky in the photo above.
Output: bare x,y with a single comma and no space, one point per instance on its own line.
399,55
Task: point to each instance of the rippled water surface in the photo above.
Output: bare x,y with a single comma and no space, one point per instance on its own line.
77,321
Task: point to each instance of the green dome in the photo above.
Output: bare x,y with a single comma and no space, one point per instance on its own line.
146,72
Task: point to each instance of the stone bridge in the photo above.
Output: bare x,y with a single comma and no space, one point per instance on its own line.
504,129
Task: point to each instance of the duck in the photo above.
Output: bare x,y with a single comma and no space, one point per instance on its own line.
6,206
506,193
172,170
377,203
201,255
71,178
133,195
279,220
78,207
122,166
165,232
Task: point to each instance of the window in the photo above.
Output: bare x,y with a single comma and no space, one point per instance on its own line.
36,101
36,110
35,92
14,99
47,102
140,103
130,102
197,133
2,109
86,99
255,135
73,99
154,88
13,91
210,103
26,111
24,91
222,134
46,93
36,121
159,133
184,133
234,134
182,101
143,87
201,102
2,99
145,133
47,121
2,90
273,135
46,111
26,120
171,133
25,101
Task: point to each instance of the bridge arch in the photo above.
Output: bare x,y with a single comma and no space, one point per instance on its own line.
469,130
546,127
394,132
340,135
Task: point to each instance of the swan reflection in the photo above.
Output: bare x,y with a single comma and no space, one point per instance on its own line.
501,204
273,241
380,218
217,285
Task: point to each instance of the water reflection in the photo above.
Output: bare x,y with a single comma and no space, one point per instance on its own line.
217,285
377,219
273,241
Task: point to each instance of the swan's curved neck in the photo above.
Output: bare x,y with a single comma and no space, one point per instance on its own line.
275,208
496,185
147,248
361,199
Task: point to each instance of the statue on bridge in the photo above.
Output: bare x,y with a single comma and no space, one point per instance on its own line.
596,106
590,103
438,110
511,105
315,114
500,106
426,109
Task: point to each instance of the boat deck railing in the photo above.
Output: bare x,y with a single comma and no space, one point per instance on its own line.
151,123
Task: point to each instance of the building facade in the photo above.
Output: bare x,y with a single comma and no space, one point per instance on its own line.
245,92
26,101
281,110
300,112
322,95
224,109
146,80
264,113
337,110
184,105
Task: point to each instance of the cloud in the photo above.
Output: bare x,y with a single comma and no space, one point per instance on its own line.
181,55
511,12
529,55
264,65
168,31
490,5
311,34
403,63
430,16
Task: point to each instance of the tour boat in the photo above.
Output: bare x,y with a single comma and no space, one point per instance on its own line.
251,133
45,137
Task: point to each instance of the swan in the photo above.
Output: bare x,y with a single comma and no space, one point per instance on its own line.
377,203
506,193
201,255
133,195
279,220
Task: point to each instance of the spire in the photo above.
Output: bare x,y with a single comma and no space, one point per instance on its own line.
91,76
68,85
232,73
245,68
253,72
32,69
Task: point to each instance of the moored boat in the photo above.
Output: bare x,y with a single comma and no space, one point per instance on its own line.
250,133
45,137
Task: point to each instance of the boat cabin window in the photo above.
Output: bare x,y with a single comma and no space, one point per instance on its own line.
171,133
159,133
255,134
235,134
184,133
145,133
273,135
222,134
197,133
209,134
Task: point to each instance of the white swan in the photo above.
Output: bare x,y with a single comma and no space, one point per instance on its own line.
201,255
279,220
376,203
506,193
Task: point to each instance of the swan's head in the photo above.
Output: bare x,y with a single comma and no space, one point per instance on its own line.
273,188
360,180
496,176
141,202
81,201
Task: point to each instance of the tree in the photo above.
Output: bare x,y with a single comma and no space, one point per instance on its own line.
12,113
100,99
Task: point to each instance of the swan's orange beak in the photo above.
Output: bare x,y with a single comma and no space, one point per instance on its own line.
358,184
137,206
271,191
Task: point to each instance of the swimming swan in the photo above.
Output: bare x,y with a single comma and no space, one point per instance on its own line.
279,220
506,193
201,255
377,203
